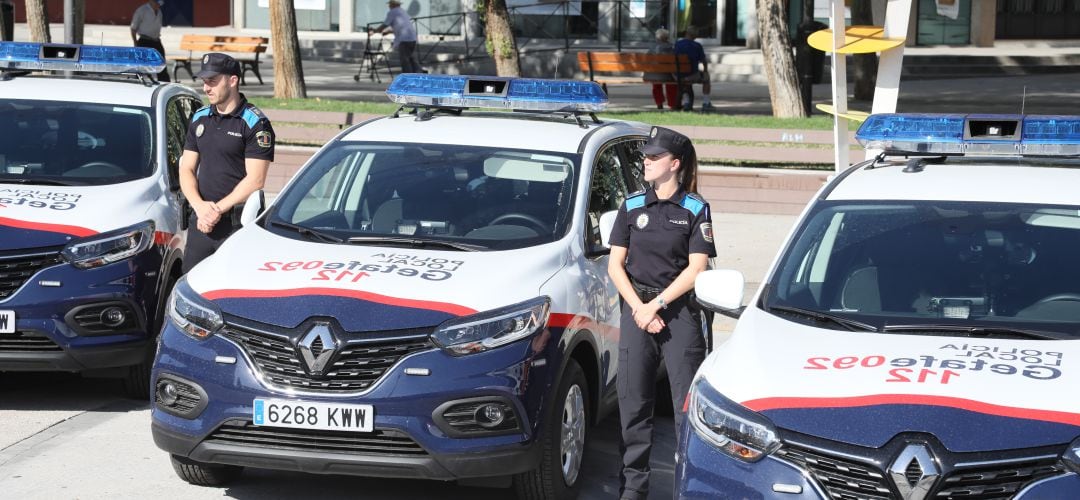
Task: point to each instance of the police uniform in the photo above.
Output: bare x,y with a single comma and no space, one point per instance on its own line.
659,236
223,142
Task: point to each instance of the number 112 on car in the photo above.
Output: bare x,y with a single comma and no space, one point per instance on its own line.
312,415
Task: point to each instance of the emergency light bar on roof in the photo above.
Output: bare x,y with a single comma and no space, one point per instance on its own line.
524,94
1035,135
84,58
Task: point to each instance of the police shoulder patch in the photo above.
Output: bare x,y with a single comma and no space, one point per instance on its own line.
693,203
264,139
706,231
635,200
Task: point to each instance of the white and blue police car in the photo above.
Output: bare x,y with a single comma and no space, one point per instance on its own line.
917,336
427,298
90,241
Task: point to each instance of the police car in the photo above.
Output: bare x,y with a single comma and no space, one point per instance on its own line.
917,336
89,211
427,298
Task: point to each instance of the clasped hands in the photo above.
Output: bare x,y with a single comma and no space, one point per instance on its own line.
647,317
209,214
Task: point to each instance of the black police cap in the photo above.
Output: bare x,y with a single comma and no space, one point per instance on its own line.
664,140
216,63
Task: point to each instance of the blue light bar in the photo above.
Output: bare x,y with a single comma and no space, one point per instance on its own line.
916,133
84,58
525,94
1051,135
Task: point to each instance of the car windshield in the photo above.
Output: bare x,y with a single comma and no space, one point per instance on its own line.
70,143
444,196
934,267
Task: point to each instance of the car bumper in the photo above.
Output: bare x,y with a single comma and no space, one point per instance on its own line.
55,310
703,472
405,408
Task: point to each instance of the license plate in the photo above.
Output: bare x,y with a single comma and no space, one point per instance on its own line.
7,321
311,415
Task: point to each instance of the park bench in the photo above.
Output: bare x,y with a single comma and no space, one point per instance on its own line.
594,62
245,49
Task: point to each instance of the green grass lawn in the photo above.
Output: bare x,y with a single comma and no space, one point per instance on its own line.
655,117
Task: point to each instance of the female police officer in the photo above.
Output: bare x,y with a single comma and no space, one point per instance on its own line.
661,240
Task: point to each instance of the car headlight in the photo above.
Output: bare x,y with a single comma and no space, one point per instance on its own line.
729,426
491,329
1071,457
194,315
110,247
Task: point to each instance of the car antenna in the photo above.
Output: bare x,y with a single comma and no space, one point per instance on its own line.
1023,100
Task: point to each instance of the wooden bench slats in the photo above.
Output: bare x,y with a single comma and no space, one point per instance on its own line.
214,43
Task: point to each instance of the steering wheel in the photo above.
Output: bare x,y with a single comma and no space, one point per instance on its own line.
96,169
1072,297
533,221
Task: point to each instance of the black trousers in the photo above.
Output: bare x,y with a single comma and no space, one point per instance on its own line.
201,245
410,61
681,347
7,27
154,43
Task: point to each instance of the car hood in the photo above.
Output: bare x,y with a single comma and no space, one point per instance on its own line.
44,216
281,281
864,388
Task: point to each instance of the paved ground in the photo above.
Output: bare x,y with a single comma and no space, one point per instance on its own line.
68,437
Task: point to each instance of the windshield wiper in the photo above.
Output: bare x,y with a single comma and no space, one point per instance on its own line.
40,181
978,331
307,231
822,317
414,242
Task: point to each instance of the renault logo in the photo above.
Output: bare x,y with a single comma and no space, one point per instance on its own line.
914,472
317,347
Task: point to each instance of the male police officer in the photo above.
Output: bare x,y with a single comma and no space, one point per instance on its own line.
228,149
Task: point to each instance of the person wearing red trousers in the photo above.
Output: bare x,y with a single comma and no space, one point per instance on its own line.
663,46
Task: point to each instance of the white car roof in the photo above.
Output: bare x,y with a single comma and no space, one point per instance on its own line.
82,89
484,129
1009,181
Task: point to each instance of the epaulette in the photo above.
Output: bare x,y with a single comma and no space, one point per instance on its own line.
693,202
252,115
201,112
635,200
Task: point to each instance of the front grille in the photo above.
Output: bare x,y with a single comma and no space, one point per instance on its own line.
14,271
379,442
846,479
996,481
358,365
842,479
27,342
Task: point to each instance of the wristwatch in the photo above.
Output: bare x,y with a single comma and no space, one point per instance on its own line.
662,302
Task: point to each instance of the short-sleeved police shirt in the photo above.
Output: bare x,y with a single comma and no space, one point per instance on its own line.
224,142
660,235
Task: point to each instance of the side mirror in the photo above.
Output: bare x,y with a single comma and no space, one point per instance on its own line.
607,223
721,291
252,208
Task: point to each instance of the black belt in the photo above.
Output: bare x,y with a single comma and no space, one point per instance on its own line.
646,293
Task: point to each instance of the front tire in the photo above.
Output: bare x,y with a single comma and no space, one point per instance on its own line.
201,474
559,473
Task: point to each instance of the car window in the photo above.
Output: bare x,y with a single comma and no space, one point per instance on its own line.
635,162
74,143
493,198
935,262
177,117
607,188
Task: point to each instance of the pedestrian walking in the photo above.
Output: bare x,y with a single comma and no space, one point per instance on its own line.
663,46
146,30
400,24
228,149
661,240
698,73
7,20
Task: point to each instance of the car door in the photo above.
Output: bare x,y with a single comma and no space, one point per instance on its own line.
608,183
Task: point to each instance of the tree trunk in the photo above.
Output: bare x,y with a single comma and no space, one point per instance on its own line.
80,21
864,65
37,19
501,45
288,71
787,101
